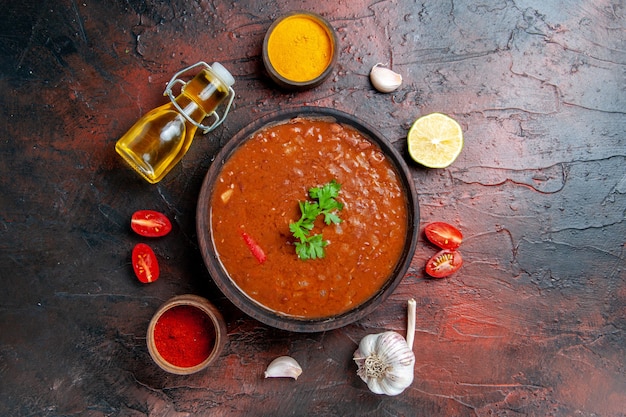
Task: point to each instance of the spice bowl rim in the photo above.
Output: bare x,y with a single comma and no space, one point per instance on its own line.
210,311
284,82
243,301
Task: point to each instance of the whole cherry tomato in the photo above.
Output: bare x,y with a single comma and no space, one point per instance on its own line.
444,263
444,235
150,223
145,263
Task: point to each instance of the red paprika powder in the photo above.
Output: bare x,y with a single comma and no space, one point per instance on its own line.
184,336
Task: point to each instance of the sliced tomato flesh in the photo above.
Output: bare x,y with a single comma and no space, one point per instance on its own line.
444,235
444,263
145,263
150,223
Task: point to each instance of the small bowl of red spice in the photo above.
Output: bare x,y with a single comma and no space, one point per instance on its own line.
186,334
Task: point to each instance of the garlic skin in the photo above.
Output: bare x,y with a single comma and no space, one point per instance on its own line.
384,79
385,363
386,360
283,367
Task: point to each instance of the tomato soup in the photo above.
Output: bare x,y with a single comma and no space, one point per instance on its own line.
256,197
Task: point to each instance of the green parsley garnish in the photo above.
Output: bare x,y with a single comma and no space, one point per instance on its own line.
312,246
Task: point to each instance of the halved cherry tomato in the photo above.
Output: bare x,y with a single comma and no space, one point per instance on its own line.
150,223
444,235
444,263
145,263
254,247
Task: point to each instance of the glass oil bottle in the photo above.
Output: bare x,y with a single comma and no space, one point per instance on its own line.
158,140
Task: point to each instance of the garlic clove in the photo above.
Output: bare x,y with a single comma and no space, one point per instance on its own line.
283,367
392,347
384,79
397,380
391,386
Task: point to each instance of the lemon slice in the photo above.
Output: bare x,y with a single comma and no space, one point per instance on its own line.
435,140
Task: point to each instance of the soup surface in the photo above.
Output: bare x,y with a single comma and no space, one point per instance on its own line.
257,195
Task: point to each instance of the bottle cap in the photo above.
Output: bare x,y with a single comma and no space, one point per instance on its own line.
223,74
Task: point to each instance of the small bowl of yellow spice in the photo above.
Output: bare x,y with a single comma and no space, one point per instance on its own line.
300,50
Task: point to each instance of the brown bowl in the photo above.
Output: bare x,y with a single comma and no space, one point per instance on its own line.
215,327
280,76
237,296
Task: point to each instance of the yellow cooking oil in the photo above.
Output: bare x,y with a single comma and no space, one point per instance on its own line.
157,141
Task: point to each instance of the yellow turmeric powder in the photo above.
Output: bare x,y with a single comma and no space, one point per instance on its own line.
300,48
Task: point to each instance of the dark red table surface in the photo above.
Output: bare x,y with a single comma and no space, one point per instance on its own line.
533,324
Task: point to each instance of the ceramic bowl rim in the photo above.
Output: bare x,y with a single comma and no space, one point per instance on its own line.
210,311
284,82
225,283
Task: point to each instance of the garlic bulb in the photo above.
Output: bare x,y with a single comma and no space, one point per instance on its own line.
283,367
385,360
384,79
